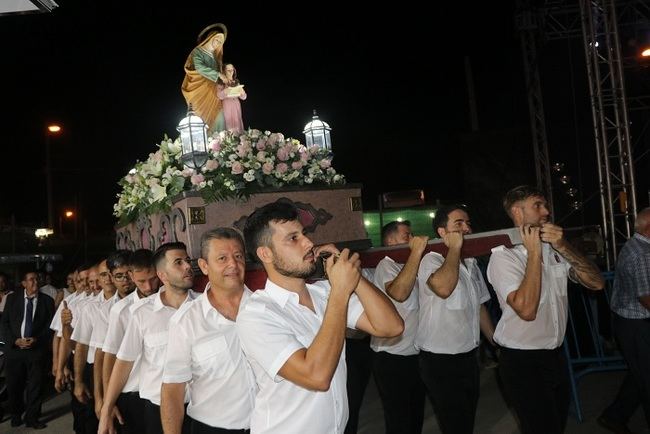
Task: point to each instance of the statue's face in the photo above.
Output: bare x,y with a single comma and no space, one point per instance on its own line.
217,41
230,71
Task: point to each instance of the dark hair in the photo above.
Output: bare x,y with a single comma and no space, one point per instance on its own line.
390,228
256,230
141,259
117,259
85,266
442,216
521,192
159,254
28,271
219,234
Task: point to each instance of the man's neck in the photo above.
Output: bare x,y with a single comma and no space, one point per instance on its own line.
226,300
293,284
108,293
173,297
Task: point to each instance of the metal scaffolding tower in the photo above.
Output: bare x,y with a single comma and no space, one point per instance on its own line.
596,22
611,123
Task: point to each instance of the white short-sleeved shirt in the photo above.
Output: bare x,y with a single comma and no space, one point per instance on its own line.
403,345
505,272
272,326
451,325
147,334
100,322
118,320
83,318
203,348
56,324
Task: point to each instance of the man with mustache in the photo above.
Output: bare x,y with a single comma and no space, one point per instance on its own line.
147,333
293,333
203,350
531,283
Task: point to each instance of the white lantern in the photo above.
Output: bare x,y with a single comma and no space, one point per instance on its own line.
317,133
194,139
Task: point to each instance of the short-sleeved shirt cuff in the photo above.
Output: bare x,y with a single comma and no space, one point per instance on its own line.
110,350
354,313
126,357
181,377
282,358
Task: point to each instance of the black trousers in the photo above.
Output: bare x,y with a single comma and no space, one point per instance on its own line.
401,391
536,383
78,409
153,421
131,407
25,374
197,427
358,360
452,382
90,422
633,337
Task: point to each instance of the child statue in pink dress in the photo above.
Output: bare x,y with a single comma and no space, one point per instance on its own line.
230,94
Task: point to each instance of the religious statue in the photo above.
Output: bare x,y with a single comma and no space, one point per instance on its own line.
204,69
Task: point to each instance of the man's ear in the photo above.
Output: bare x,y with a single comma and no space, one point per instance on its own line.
517,214
203,265
162,276
264,254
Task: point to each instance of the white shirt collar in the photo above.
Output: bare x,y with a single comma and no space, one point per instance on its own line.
279,294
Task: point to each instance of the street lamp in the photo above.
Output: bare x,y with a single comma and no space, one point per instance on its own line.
51,129
194,140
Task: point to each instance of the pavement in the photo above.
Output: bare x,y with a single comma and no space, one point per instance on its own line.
493,416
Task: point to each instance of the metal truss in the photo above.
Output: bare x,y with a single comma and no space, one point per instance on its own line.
611,123
597,23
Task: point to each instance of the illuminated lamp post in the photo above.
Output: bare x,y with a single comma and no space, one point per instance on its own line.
51,129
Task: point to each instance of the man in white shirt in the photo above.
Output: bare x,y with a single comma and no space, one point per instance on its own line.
203,349
139,271
452,293
293,332
116,264
395,362
531,283
147,333
82,326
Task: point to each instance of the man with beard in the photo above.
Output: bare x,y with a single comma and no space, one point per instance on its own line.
452,293
293,332
138,273
203,349
146,335
531,283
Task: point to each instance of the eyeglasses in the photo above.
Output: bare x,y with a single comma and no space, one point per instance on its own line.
120,276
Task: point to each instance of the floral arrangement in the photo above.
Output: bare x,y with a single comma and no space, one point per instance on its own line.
239,164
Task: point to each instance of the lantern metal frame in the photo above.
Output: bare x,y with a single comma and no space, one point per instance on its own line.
194,153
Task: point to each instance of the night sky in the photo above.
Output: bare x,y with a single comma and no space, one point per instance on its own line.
390,82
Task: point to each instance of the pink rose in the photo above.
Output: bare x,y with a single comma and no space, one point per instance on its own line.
282,168
267,168
237,168
211,165
261,144
197,179
296,165
283,154
215,144
324,164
